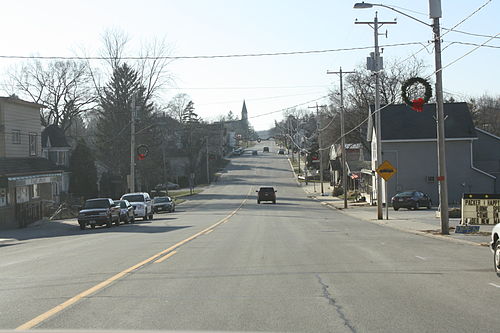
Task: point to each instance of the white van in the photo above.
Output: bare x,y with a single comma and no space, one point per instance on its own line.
142,203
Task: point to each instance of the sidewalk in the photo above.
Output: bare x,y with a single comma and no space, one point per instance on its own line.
421,222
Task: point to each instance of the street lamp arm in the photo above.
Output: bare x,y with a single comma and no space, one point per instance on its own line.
364,5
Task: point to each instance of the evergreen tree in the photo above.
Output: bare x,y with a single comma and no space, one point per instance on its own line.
83,178
188,115
113,124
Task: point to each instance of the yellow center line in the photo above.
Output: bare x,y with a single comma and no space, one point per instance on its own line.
58,308
162,259
209,231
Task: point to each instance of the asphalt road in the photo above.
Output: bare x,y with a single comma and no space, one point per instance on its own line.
292,266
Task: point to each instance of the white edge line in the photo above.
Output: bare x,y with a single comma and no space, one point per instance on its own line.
494,285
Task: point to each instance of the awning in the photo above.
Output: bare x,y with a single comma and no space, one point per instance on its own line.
35,179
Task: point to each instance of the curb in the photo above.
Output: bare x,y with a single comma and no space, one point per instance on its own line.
7,240
414,232
294,174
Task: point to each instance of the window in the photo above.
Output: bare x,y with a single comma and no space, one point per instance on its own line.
61,158
36,191
16,137
3,197
22,194
32,143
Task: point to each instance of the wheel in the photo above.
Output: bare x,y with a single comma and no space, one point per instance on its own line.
496,258
127,219
145,217
151,216
395,208
258,201
429,205
117,222
109,222
82,226
133,219
417,206
274,201
92,226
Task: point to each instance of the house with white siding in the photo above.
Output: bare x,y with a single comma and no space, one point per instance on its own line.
27,180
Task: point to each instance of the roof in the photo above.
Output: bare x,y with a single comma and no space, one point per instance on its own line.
400,122
12,166
56,136
17,100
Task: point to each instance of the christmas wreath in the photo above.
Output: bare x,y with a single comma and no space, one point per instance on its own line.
416,104
142,152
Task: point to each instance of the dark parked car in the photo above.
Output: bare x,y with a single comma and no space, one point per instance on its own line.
126,211
411,200
266,194
99,211
281,151
266,149
254,152
163,204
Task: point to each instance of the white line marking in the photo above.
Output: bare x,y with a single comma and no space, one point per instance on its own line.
421,258
494,285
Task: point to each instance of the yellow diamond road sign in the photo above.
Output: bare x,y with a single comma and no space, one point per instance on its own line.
386,170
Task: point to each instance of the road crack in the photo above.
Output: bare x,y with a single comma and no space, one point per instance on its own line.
334,303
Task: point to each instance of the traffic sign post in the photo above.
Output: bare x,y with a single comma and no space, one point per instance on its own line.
386,170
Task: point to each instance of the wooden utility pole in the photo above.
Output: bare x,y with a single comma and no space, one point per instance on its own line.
320,149
342,133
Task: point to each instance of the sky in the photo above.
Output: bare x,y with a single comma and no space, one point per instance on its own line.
269,84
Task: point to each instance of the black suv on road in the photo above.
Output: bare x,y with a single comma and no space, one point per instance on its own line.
100,211
266,194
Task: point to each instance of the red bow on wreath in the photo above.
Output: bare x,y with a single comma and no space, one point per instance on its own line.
418,104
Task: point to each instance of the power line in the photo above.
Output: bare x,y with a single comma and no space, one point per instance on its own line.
288,108
203,56
467,17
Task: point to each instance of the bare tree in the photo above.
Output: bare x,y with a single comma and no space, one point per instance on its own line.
63,87
177,105
486,113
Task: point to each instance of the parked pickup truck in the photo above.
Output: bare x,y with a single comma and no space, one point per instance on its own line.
99,211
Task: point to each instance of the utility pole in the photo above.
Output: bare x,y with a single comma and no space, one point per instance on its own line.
435,14
376,68
208,167
320,145
132,144
342,133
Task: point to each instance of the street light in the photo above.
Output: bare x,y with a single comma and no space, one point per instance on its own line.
435,14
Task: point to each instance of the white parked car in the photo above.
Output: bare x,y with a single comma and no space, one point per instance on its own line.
495,247
142,203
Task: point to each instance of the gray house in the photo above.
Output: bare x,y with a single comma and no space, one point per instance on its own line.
27,180
409,144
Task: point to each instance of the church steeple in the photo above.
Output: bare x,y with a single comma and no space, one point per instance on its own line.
244,113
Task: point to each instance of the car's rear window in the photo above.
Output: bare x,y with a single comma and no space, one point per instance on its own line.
156,200
405,194
266,189
96,204
134,198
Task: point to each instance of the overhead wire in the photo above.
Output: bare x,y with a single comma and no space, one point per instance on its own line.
203,56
